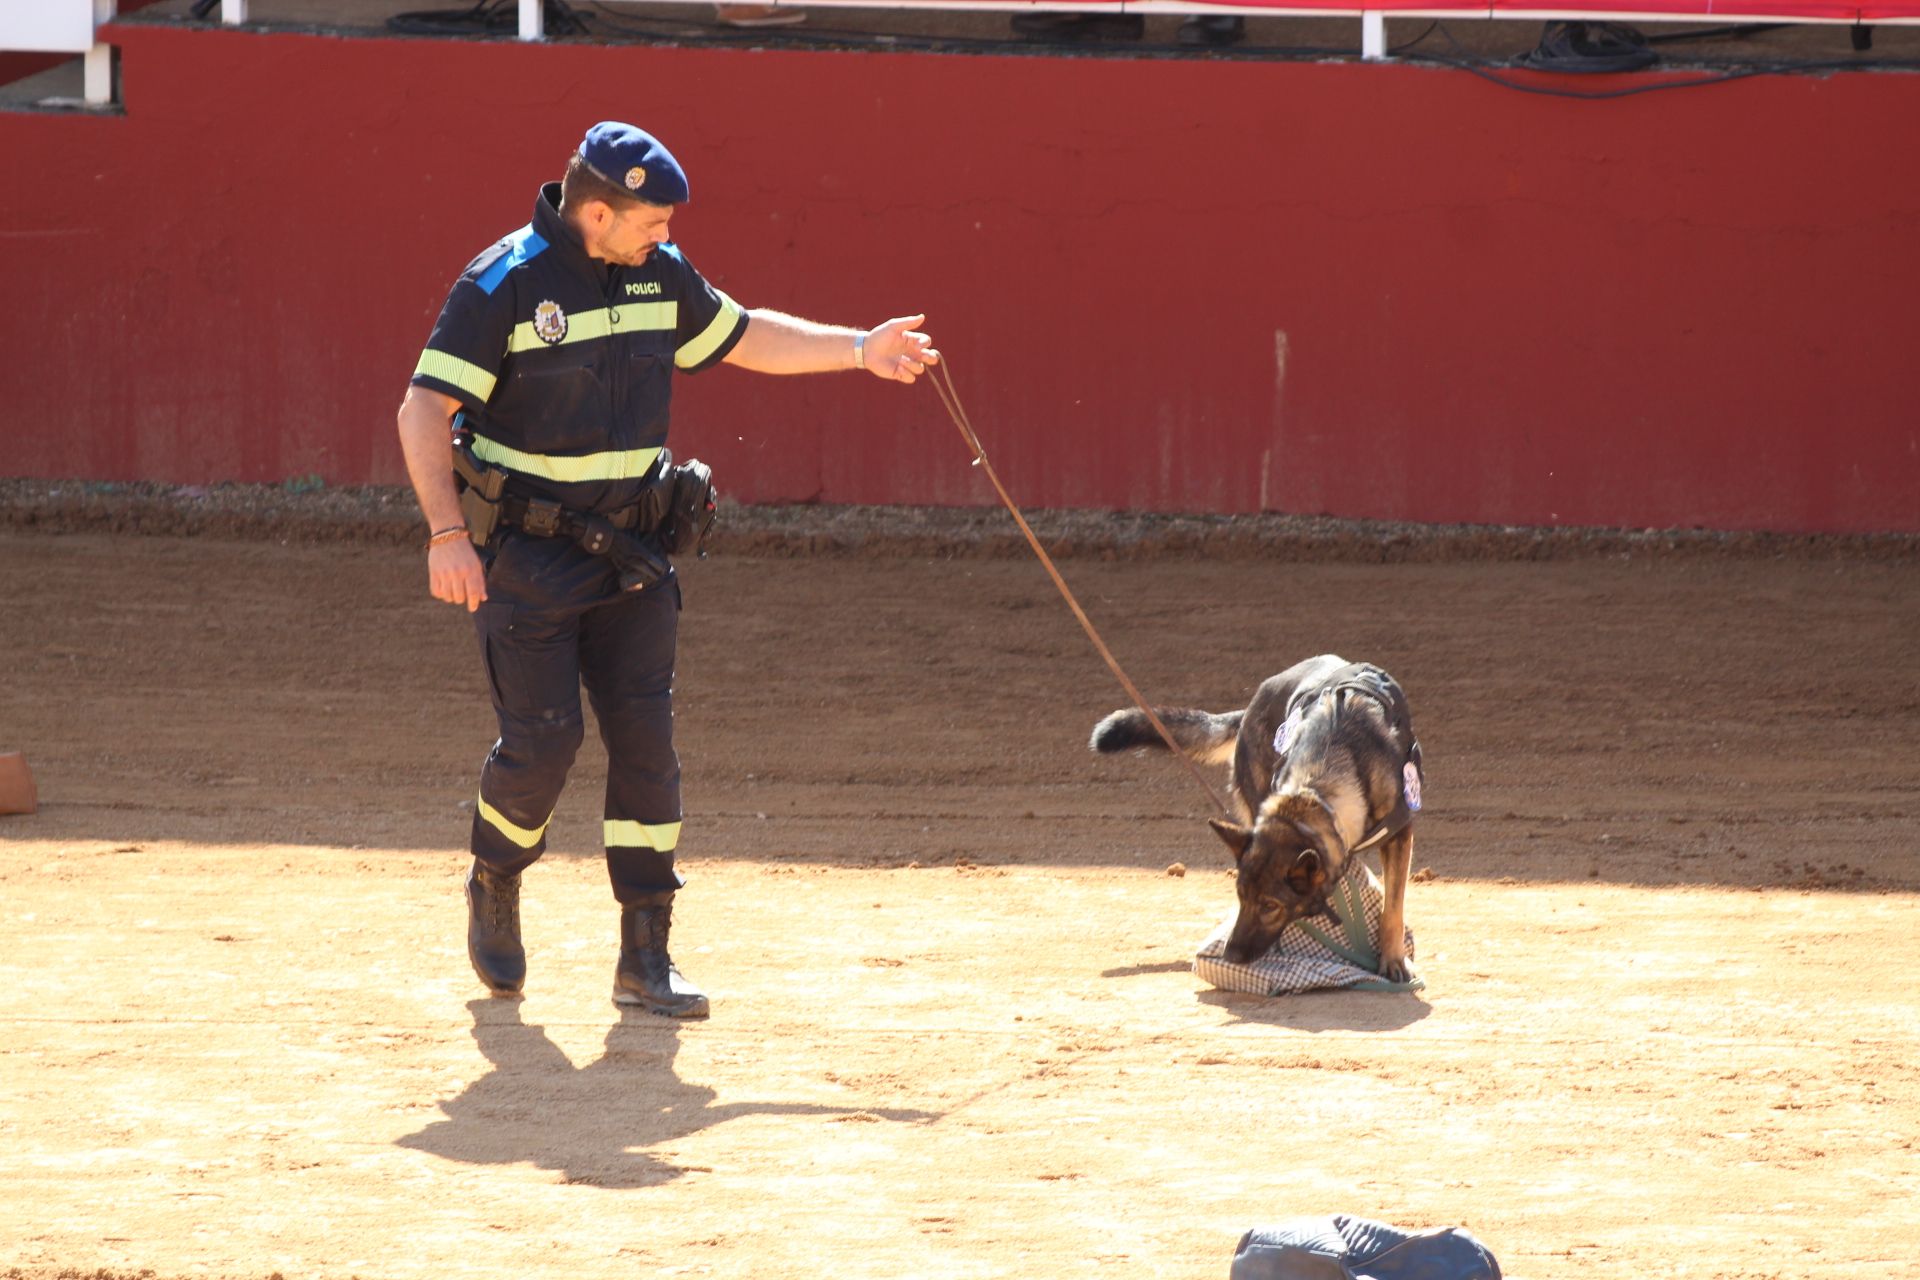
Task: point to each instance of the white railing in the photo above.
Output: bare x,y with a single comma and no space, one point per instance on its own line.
1373,22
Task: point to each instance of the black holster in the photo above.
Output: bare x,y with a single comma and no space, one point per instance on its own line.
480,488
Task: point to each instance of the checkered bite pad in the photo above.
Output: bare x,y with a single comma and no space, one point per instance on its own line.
1314,956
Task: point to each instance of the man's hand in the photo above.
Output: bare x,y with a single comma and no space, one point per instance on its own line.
454,570
898,352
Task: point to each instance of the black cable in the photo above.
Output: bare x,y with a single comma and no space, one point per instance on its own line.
1743,73
1716,33
1402,48
1549,92
562,19
648,26
1480,67
486,16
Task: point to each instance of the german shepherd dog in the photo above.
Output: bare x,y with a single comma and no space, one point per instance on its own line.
1325,764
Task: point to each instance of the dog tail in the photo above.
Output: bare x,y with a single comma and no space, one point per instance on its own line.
1206,737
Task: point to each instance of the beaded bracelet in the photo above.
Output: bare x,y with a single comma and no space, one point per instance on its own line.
447,534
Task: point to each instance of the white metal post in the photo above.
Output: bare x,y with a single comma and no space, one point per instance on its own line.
97,63
98,77
532,20
1373,35
233,12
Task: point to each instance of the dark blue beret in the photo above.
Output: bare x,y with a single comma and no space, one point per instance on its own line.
634,160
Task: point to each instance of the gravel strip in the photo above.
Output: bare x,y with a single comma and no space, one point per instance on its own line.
386,515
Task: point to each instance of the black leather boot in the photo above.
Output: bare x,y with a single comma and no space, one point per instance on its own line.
646,975
493,930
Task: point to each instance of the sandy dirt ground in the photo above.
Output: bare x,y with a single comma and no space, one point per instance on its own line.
1670,1028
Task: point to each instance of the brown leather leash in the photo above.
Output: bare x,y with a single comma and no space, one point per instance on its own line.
950,397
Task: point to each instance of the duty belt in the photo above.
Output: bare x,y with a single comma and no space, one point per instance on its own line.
628,537
547,519
635,557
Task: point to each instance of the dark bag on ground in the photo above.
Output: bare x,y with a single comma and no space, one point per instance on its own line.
1343,1248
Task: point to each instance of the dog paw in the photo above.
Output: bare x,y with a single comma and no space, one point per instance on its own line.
1397,969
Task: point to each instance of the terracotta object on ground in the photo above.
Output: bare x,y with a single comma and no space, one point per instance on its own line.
16,784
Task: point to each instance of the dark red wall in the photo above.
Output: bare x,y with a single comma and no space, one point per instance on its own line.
17,66
1173,284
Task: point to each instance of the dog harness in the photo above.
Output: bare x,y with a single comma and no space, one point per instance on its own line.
1366,679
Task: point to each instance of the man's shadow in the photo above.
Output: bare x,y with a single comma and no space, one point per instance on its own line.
592,1124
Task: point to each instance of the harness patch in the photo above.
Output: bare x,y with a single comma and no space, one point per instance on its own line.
1284,734
1411,776
549,323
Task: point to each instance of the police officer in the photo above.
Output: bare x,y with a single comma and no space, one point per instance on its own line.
551,366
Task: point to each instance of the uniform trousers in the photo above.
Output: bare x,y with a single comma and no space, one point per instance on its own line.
555,619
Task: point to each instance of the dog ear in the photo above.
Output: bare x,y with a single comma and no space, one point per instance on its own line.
1237,838
1306,877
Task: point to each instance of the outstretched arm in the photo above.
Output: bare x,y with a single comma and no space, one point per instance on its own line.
779,343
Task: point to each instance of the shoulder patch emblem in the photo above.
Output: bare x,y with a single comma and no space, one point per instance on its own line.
636,178
549,323
1410,777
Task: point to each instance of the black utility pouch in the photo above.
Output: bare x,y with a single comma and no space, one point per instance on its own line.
634,559
692,503
650,505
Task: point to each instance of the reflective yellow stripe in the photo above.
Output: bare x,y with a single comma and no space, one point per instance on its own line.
584,326
581,327
525,837
646,317
639,835
619,464
703,347
470,378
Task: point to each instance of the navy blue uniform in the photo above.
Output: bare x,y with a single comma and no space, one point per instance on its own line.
563,366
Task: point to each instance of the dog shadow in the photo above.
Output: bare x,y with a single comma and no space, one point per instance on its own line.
1332,1010
1312,1011
593,1124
